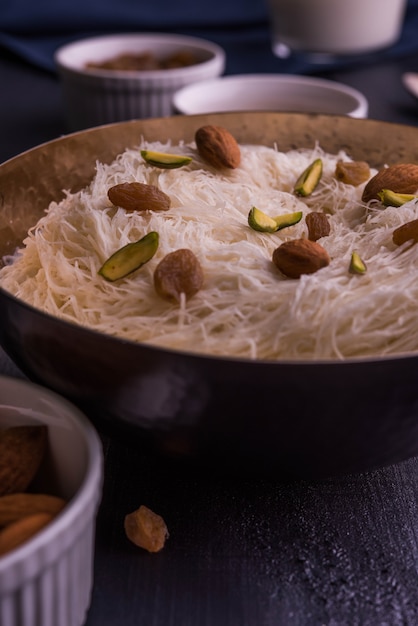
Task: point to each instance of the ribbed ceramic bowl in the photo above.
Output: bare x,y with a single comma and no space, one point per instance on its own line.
47,581
99,96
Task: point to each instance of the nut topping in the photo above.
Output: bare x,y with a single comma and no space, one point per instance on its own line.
258,220
130,257
309,179
138,197
390,198
357,265
218,147
400,178
300,256
406,232
165,160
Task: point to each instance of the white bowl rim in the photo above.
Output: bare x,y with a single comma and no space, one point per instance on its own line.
217,52
82,499
360,108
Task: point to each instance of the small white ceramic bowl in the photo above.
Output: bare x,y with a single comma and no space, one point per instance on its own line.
271,92
48,580
93,97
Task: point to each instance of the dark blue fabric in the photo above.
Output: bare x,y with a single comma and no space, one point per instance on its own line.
34,29
28,16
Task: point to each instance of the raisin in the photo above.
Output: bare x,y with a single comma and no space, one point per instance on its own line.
352,172
178,272
318,225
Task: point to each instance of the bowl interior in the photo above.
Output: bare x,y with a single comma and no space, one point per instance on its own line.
271,93
74,56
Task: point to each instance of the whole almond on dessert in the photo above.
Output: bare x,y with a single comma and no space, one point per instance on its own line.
14,506
300,256
406,232
13,535
218,147
138,197
22,449
400,178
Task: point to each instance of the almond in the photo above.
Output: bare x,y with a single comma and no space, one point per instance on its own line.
300,256
400,178
17,533
218,147
22,449
406,232
138,197
14,506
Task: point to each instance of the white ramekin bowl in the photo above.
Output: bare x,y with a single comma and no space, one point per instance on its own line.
93,97
271,92
48,580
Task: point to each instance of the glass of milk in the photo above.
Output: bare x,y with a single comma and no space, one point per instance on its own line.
334,27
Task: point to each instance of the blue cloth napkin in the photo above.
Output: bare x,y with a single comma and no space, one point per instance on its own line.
34,30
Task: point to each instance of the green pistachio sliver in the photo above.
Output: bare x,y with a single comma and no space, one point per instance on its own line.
165,160
258,220
288,219
309,179
357,265
130,257
391,198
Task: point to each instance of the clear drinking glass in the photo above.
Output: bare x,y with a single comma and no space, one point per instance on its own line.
334,27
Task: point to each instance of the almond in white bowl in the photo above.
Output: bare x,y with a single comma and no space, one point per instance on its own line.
47,517
95,93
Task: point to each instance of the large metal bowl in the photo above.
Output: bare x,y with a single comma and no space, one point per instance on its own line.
303,419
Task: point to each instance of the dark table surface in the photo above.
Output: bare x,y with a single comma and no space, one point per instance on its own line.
243,551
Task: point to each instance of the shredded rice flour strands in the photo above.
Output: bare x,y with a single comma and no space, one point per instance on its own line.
245,308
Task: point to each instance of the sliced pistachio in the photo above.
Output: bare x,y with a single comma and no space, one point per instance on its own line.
357,265
288,219
165,160
391,198
309,179
266,224
261,222
130,257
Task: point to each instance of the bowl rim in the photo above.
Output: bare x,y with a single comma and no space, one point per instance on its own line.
80,502
360,102
217,58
